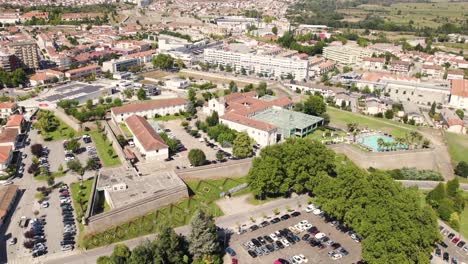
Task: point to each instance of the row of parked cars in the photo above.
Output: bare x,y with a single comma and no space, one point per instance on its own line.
69,228
38,238
453,239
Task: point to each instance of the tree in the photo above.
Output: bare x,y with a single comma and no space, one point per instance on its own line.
454,221
141,94
73,145
453,187
169,248
274,30
46,121
462,169
36,150
314,105
128,93
122,141
233,87
242,146
163,61
91,164
433,109
75,165
213,119
435,196
202,236
180,64
389,114
196,157
192,95
445,209
460,113
219,155
141,254
121,254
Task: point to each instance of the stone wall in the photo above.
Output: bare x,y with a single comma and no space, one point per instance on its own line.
115,144
419,159
101,222
230,169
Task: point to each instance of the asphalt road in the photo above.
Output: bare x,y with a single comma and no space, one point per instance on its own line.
229,221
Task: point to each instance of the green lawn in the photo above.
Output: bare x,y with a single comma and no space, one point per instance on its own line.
318,134
341,118
464,218
53,175
457,147
104,149
169,117
203,194
125,130
63,131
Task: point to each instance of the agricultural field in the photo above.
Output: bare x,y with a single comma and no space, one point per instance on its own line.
422,14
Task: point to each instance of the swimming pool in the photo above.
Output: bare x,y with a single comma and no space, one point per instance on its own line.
371,141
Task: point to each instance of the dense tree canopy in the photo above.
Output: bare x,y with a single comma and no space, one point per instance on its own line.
242,145
394,226
202,236
163,61
196,157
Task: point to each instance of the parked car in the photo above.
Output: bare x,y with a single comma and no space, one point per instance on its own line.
231,252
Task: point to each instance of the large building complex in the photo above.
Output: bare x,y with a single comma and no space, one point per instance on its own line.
149,109
267,120
259,64
346,54
119,65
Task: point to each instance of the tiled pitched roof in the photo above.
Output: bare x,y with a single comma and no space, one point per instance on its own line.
145,133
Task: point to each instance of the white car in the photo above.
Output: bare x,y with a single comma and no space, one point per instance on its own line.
303,222
44,204
24,155
297,259
293,229
66,247
303,258
310,208
285,242
131,144
307,226
337,256
274,237
317,211
320,235
299,227
12,241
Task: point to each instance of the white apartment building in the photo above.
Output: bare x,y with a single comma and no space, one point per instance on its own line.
149,109
269,65
346,54
459,94
114,65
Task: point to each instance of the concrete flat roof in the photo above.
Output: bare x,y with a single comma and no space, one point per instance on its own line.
286,120
151,179
71,91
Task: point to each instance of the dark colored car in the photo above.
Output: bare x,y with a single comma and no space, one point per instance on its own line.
252,253
446,256
461,244
270,247
275,220
294,214
256,242
451,235
285,217
279,244
442,243
261,240
231,252
283,261
267,238
305,237
253,228
264,223
438,252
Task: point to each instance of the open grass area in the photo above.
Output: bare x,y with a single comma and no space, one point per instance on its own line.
341,118
63,131
125,130
203,194
53,175
80,194
169,117
432,14
156,74
457,147
104,149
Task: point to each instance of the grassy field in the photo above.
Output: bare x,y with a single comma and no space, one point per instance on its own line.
342,118
464,218
169,117
156,74
63,131
125,130
457,147
104,149
422,14
203,194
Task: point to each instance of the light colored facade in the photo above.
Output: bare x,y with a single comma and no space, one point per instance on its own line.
27,53
459,94
433,71
7,109
114,66
346,54
373,64
260,132
267,65
149,109
177,83
83,72
146,140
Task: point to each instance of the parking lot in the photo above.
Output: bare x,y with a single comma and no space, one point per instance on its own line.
453,249
313,254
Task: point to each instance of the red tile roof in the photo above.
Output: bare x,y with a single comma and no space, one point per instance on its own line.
145,133
148,105
5,152
14,121
7,196
240,119
7,105
459,88
8,135
85,68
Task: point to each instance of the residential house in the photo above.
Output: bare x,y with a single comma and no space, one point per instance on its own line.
452,122
459,94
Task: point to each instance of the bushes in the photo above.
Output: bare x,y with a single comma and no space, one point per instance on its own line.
197,157
462,169
414,174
